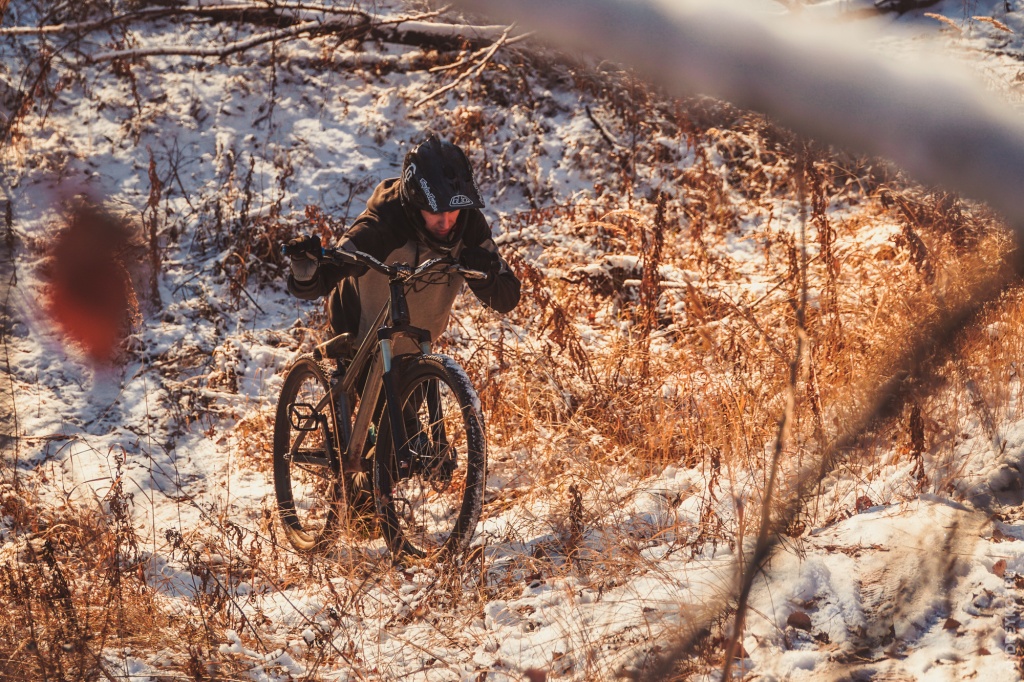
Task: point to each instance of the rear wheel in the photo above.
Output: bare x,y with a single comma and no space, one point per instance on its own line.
430,502
306,465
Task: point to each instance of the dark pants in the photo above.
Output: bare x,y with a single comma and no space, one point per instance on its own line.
343,308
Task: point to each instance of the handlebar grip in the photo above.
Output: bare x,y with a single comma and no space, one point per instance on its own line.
356,258
301,248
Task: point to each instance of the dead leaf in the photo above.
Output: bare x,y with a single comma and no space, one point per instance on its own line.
799,620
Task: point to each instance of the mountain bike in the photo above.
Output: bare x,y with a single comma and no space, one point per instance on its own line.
404,431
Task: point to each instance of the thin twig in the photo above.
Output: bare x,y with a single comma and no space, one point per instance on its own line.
470,57
471,72
249,296
615,144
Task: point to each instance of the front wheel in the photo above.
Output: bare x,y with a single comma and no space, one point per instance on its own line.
429,501
306,466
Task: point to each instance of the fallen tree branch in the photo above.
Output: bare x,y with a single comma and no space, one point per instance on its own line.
211,11
396,31
440,35
903,6
309,28
292,20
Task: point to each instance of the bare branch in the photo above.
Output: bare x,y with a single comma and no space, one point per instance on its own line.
470,72
612,142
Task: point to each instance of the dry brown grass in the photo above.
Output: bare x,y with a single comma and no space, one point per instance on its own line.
77,587
602,377
710,395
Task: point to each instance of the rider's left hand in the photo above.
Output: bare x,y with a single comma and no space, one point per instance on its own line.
479,258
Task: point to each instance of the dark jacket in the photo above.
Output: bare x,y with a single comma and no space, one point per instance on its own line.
386,231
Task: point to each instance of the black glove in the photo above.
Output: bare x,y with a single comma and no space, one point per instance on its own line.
304,257
479,258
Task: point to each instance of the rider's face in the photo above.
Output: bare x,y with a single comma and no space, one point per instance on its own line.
440,224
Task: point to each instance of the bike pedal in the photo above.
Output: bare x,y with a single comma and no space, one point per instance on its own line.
303,417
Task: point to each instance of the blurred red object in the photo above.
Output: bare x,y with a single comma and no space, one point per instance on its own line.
91,296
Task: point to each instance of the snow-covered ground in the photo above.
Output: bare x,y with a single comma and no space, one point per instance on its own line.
885,583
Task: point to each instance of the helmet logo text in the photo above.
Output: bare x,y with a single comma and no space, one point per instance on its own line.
460,200
430,195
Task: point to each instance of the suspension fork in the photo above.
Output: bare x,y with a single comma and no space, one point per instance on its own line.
399,437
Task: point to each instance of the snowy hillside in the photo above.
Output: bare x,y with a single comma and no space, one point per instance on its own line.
676,255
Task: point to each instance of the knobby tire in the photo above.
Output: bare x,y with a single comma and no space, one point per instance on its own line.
307,483
431,506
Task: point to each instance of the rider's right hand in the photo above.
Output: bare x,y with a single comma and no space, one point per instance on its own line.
304,257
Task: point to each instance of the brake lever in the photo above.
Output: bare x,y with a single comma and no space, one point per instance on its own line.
470,274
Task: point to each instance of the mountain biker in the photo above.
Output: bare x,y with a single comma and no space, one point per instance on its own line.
431,211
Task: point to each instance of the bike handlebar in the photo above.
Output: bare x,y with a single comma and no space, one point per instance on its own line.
400,271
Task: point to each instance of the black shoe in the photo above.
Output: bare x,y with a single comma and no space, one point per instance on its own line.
340,348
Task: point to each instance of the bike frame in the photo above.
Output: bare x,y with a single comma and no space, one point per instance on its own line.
377,349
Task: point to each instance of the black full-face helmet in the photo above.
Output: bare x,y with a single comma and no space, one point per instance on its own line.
437,177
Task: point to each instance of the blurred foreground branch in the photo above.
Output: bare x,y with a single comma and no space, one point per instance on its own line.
822,81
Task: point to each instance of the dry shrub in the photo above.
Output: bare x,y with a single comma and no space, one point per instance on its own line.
78,590
73,584
694,371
